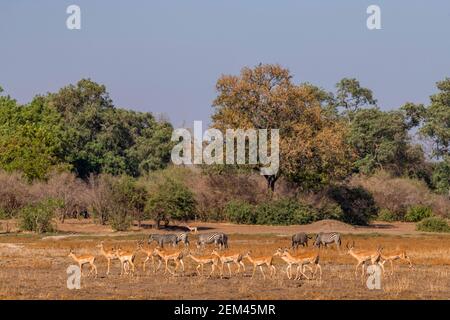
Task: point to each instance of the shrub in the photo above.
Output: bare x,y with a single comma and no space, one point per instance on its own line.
170,200
38,217
284,212
418,213
14,194
357,204
239,211
388,215
398,194
330,210
129,200
433,224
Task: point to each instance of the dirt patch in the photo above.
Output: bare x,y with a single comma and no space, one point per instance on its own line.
332,225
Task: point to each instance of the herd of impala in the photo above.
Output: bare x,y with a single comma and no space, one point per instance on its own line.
219,258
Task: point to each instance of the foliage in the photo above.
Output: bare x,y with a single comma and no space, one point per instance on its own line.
441,176
433,224
170,199
30,137
436,119
351,97
380,140
241,212
313,149
101,138
129,201
418,213
398,194
388,216
284,212
356,203
38,217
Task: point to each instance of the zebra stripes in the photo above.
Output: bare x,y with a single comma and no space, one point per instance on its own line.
219,239
325,239
170,238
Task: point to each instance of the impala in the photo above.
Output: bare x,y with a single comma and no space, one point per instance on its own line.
395,255
176,256
84,259
108,254
302,261
364,256
126,258
229,258
202,260
149,254
260,262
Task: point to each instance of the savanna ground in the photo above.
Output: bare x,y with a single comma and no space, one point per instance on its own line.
34,267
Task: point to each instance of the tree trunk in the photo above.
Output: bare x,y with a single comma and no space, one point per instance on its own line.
271,182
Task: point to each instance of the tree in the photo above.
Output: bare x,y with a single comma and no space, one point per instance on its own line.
30,137
100,138
436,119
351,97
380,140
312,144
170,199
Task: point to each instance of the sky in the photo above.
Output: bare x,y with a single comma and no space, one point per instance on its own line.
165,56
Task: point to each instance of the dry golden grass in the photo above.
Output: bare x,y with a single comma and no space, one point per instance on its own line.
32,268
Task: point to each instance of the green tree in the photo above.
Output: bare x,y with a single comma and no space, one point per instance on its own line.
100,138
170,199
381,140
30,137
351,97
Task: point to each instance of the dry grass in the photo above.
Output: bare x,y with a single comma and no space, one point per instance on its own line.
32,268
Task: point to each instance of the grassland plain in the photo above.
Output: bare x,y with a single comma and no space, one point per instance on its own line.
34,267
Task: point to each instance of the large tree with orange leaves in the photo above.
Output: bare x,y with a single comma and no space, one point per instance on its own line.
313,148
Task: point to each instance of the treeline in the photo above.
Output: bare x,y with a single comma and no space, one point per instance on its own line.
73,153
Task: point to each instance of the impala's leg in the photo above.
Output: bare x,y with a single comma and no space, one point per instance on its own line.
409,261
392,266
213,267
243,266
288,272
182,266
300,270
238,267
159,264
320,271
262,271
254,269
274,271
143,264
95,269
133,268
198,269
381,266
109,264
229,268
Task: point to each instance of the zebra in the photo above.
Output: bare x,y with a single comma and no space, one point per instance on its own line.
218,238
183,237
161,239
327,238
300,238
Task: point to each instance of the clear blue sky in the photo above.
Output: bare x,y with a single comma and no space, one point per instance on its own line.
165,56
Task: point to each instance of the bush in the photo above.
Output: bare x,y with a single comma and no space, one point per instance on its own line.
398,194
239,211
357,204
388,215
330,210
433,224
170,200
284,212
39,217
418,213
